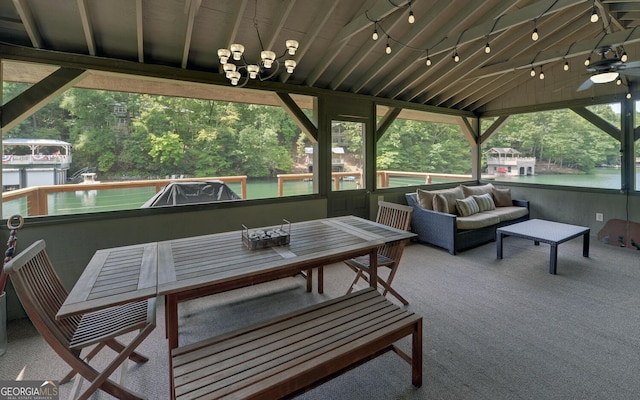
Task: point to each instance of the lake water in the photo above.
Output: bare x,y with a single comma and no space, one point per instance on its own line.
123,199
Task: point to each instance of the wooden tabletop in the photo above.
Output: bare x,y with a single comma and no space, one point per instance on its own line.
221,261
114,276
217,262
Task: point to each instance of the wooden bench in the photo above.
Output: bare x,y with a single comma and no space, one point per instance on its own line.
291,354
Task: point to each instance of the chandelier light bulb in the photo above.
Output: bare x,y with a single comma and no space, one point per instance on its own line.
534,35
587,61
223,55
594,15
234,77
388,48
290,65
628,96
428,62
375,36
253,71
292,46
618,81
487,48
541,75
237,50
267,57
624,57
533,72
412,17
228,69
456,57
566,66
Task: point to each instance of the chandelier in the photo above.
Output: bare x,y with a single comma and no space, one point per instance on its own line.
236,67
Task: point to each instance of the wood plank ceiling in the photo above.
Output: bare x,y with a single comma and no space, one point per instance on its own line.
336,50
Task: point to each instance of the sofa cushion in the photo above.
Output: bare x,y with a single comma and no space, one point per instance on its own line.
425,198
502,197
485,202
467,206
440,203
476,221
477,190
508,213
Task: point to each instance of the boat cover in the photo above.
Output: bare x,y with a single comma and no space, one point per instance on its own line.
177,193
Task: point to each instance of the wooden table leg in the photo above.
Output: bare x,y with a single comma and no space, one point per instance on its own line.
320,280
171,311
373,268
309,276
171,325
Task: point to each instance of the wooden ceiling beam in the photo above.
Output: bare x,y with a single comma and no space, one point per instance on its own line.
191,9
87,28
376,9
313,33
140,31
37,96
283,13
583,48
524,15
237,22
417,31
598,122
557,30
29,24
415,75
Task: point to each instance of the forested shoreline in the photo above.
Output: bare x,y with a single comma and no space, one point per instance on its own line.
127,134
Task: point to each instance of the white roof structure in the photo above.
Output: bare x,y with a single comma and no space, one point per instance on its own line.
35,144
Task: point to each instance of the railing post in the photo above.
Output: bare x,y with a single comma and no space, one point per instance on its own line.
280,186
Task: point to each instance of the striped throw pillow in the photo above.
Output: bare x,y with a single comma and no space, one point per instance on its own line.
485,202
467,206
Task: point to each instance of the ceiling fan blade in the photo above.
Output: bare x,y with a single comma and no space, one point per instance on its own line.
631,72
629,65
585,85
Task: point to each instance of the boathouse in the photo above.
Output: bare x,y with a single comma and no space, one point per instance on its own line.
34,162
507,161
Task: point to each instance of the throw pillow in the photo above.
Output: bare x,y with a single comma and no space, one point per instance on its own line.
440,203
477,190
485,202
425,198
502,197
467,207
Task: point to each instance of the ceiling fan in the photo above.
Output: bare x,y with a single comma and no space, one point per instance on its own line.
608,70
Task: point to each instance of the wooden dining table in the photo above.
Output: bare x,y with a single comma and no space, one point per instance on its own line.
191,267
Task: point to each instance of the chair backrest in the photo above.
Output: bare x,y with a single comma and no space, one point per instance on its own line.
41,293
396,216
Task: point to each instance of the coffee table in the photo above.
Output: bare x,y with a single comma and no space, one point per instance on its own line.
540,230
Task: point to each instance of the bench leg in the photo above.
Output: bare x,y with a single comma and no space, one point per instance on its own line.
416,355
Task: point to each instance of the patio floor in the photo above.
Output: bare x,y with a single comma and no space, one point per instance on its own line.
493,329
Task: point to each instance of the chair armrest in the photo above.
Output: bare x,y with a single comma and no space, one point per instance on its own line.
432,226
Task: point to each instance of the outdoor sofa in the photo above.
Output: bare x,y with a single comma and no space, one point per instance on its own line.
463,217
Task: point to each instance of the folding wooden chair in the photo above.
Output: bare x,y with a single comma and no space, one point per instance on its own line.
42,294
396,216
